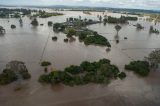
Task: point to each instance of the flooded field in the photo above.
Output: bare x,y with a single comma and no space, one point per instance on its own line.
34,44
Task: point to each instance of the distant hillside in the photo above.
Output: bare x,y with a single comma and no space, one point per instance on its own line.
87,8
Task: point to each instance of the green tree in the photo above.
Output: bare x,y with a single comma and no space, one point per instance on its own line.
118,28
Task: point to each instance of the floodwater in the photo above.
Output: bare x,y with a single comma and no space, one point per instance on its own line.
34,44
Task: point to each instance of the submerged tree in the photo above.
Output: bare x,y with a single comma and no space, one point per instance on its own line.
118,28
13,26
139,26
34,22
154,58
153,30
2,30
100,18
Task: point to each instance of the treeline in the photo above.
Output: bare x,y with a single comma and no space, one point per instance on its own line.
5,12
101,72
43,14
121,20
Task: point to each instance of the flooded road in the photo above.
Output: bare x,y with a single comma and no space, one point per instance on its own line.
29,44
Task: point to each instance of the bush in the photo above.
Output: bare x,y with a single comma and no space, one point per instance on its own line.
122,75
139,67
50,23
34,22
7,76
45,63
73,69
66,40
54,38
152,30
13,26
139,26
25,74
71,32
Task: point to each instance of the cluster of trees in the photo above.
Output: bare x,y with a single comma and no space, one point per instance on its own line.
87,36
121,20
71,32
101,72
2,30
154,58
5,12
139,26
153,30
59,27
43,14
95,39
35,22
9,76
45,64
139,67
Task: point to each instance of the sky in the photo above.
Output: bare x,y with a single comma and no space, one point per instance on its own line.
137,4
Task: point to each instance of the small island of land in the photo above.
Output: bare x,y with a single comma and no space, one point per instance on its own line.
14,70
77,27
101,72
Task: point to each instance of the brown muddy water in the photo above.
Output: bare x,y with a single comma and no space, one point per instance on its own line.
28,44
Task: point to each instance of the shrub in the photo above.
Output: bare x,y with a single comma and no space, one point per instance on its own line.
122,75
7,76
139,67
54,38
13,26
45,63
50,23
34,22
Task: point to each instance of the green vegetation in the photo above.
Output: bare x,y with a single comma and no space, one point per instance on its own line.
139,26
15,70
87,12
71,32
14,13
43,14
25,74
153,30
2,30
101,72
58,27
7,76
76,27
97,40
13,26
50,23
139,67
118,28
66,40
34,22
54,38
45,63
154,58
122,75
121,20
